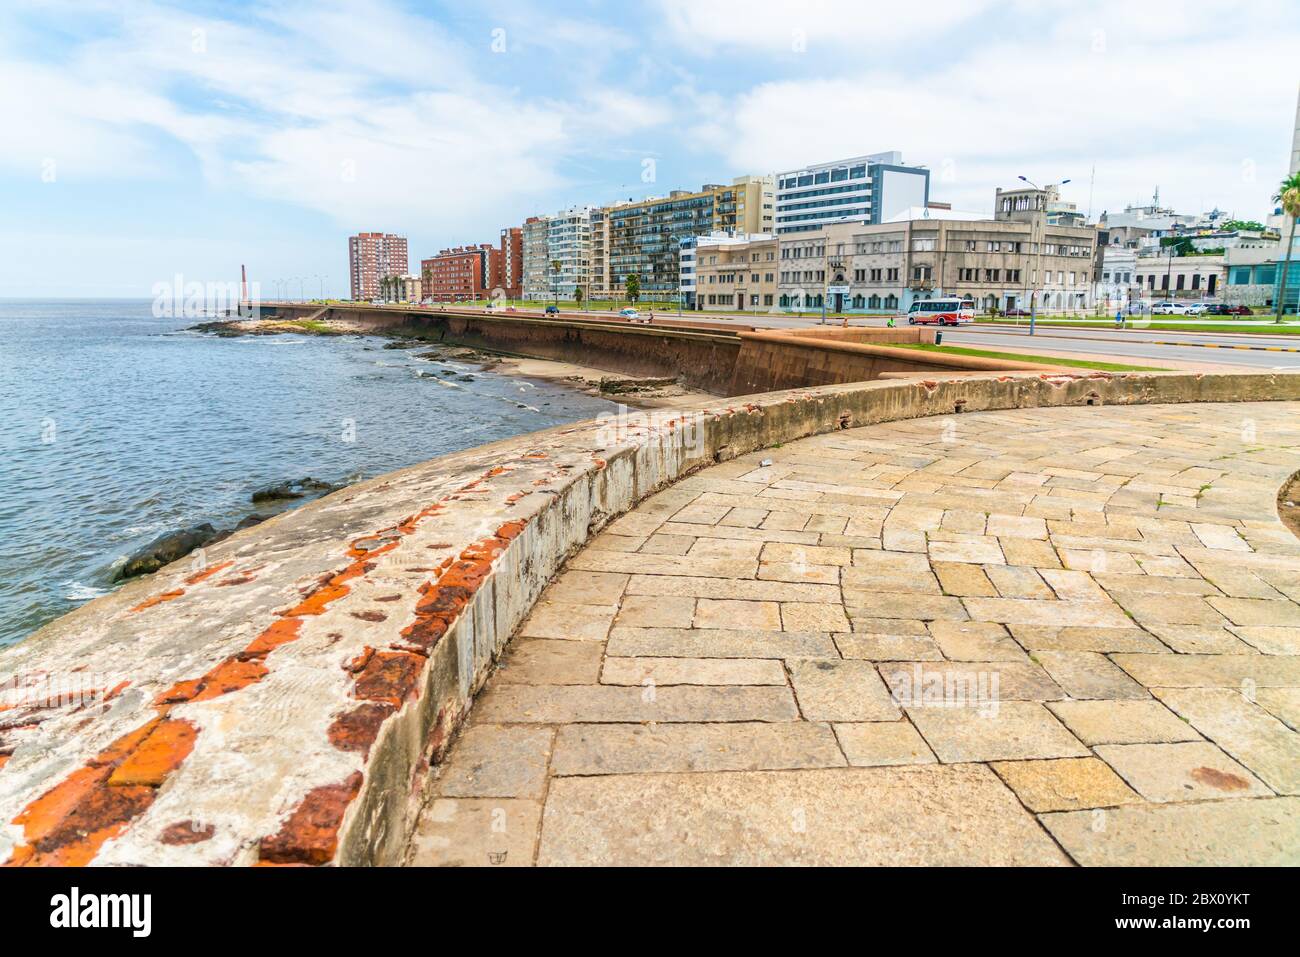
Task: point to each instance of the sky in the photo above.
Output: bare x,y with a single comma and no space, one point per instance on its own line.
149,140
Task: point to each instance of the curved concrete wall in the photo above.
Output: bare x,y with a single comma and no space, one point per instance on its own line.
279,700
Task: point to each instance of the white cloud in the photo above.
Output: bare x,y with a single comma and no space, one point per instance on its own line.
1196,118
368,115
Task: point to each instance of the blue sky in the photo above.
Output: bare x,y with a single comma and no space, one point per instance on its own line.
146,139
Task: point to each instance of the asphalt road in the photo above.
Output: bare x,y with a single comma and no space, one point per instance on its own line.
1137,344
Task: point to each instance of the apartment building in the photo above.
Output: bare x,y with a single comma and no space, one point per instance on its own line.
536,257
461,273
372,257
871,189
644,237
511,280
568,248
856,267
733,273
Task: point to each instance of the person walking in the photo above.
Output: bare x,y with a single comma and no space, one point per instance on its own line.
1119,318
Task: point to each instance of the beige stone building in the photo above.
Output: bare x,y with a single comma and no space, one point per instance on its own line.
737,276
998,263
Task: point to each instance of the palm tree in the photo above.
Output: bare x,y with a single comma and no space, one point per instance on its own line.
1288,194
633,286
556,265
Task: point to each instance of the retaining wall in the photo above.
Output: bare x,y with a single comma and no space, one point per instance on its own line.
279,699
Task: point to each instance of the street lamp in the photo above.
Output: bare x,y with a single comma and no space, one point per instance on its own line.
1033,293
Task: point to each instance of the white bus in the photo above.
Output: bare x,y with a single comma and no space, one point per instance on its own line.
945,312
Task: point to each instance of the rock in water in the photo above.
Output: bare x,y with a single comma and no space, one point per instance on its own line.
165,549
294,488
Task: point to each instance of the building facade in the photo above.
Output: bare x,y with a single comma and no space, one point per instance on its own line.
871,188
536,257
511,280
730,273
1118,284
460,274
999,264
568,251
1179,277
645,237
372,257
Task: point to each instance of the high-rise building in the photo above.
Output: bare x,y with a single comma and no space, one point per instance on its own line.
865,189
556,253
535,257
511,280
372,257
645,237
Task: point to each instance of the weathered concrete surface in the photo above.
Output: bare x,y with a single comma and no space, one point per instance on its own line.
280,701
1019,580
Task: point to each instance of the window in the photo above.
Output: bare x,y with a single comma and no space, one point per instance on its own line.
922,245
891,301
767,300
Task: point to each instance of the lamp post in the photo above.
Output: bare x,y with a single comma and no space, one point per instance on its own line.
1033,303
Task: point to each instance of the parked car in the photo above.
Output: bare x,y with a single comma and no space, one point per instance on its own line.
1168,309
552,310
1196,309
1018,312
1223,309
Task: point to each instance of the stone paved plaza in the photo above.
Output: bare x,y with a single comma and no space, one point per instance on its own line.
1047,636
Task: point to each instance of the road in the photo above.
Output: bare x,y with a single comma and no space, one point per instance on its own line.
1138,344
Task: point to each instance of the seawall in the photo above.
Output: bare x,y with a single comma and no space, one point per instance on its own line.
722,360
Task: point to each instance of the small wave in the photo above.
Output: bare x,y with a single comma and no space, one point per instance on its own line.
78,591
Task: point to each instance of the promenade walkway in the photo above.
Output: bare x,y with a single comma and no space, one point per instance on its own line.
1047,636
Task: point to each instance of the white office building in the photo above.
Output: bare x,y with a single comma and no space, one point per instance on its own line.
865,189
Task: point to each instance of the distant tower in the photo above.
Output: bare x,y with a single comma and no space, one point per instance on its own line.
243,284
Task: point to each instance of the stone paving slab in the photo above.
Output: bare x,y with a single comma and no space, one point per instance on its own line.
851,816
1258,833
585,749
1068,625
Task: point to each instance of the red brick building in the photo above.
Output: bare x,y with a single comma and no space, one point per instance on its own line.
372,257
462,272
511,279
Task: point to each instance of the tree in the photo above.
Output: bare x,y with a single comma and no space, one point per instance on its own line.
1288,194
555,278
577,295
426,285
632,285
1233,225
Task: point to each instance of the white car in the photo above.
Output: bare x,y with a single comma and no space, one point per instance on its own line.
630,314
1168,309
1196,309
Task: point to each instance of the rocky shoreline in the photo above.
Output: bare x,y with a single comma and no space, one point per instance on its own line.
633,391
174,545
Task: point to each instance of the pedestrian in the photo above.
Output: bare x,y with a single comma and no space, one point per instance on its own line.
1119,318
890,323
